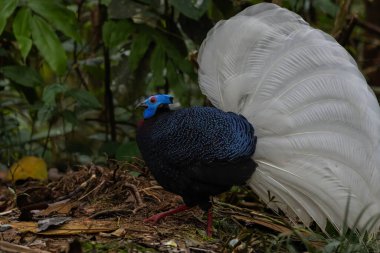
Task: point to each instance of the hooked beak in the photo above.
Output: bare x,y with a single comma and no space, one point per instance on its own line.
141,104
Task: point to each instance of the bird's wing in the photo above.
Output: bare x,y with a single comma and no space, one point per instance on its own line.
317,121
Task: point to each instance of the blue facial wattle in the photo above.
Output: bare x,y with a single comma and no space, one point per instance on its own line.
154,102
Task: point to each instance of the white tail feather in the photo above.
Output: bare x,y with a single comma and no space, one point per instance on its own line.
317,121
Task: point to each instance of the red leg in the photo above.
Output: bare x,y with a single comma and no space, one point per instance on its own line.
209,223
155,218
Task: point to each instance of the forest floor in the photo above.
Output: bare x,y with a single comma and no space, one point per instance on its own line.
101,209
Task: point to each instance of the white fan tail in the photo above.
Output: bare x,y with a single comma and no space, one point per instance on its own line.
317,121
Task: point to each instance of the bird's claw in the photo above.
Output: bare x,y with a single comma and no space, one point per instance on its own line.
154,219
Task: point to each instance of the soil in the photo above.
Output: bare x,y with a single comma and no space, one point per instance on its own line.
102,209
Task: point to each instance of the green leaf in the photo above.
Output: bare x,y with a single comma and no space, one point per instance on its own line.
84,98
24,44
116,32
105,2
7,7
21,29
22,75
70,117
172,74
50,93
48,44
173,53
60,17
46,112
139,47
157,65
21,23
174,81
327,6
127,151
193,9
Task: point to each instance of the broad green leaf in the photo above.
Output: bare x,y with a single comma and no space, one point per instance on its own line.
157,65
24,44
21,29
48,44
139,47
124,9
172,74
21,23
127,151
58,15
46,112
327,6
193,9
173,53
108,148
7,7
70,117
22,75
105,2
116,32
84,98
174,79
50,93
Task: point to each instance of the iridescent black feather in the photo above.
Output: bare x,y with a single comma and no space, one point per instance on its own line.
198,152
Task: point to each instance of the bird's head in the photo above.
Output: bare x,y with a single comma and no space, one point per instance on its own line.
154,102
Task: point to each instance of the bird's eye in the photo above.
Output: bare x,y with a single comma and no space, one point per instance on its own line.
152,100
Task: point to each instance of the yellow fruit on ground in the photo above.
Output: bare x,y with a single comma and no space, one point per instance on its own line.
28,167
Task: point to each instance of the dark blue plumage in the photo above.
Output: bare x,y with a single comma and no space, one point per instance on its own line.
197,152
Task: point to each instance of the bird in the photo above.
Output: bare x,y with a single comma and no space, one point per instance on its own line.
292,117
192,151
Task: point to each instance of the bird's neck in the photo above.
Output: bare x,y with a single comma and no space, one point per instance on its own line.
162,110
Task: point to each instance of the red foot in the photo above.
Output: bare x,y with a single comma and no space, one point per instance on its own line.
209,223
155,218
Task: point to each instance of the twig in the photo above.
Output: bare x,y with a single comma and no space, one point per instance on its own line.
151,195
140,203
75,53
79,189
119,122
108,96
155,187
96,188
344,10
368,26
200,250
344,35
110,212
47,138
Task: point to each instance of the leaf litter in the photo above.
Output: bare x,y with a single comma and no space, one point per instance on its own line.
103,207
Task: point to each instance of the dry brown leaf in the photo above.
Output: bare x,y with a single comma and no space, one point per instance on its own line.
263,222
14,248
62,207
119,232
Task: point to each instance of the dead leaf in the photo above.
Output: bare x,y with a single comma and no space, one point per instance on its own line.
28,167
61,207
55,221
263,222
14,248
120,232
5,227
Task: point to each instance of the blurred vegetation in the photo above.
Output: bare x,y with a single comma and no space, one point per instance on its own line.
72,71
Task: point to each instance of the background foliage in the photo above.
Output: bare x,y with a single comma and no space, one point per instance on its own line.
72,71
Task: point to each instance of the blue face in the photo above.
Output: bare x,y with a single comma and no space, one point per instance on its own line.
153,102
